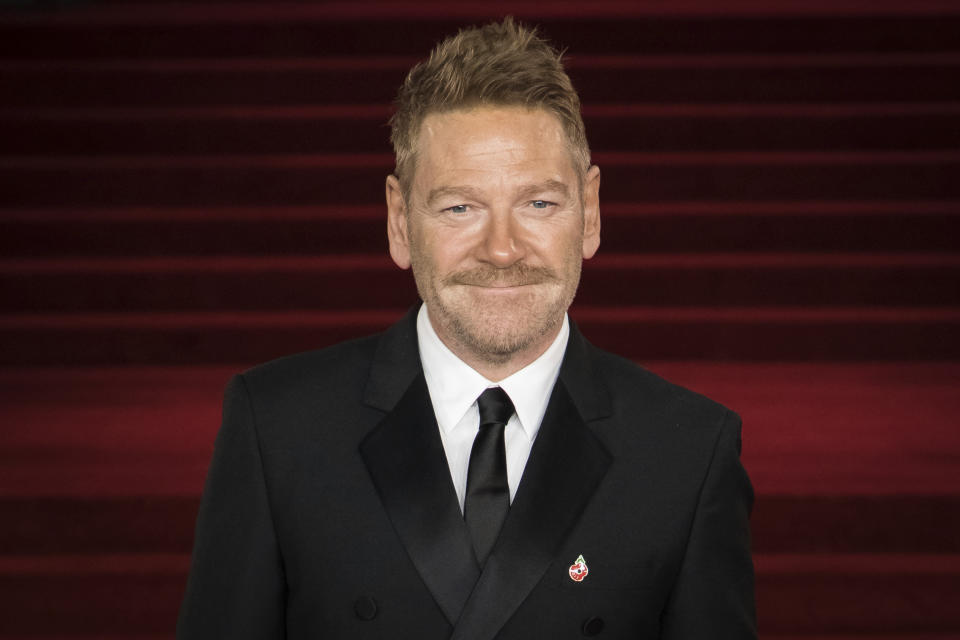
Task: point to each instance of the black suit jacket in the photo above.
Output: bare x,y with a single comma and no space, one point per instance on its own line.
329,511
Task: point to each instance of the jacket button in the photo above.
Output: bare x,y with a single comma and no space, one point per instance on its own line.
365,607
592,626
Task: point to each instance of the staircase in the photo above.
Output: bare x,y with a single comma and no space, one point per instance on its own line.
189,189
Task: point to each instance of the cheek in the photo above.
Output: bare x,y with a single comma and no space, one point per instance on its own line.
563,250
449,248
556,232
434,254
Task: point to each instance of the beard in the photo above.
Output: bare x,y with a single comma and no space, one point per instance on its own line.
492,326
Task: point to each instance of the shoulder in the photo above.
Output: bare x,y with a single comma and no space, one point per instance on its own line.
300,401
635,390
331,370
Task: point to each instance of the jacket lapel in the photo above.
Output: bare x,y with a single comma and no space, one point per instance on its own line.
405,458
565,467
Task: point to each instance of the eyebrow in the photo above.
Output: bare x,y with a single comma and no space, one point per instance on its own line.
468,193
471,193
545,186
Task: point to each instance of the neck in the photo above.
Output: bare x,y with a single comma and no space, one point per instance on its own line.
496,367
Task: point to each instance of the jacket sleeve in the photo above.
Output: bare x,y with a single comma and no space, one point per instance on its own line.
236,587
713,596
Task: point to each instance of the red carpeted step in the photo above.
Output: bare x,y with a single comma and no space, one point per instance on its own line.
859,593
140,593
624,79
91,594
246,29
729,333
360,128
373,281
815,226
356,179
167,83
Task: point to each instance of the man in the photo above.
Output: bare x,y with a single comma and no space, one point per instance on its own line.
479,470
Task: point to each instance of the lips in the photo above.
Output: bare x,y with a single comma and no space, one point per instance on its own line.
503,286
498,284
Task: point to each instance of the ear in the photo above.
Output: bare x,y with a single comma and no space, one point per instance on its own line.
591,212
397,223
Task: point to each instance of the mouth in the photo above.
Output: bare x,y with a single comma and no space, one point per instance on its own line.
502,287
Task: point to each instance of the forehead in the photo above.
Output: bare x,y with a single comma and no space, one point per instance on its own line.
492,143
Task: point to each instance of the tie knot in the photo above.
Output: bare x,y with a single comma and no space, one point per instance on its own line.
495,406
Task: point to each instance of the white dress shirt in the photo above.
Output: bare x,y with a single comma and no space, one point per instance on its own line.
454,388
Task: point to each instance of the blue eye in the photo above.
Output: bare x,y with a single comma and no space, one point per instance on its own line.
460,208
540,204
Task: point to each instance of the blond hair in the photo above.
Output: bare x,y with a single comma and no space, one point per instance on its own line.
499,64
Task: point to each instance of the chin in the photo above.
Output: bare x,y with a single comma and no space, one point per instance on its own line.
499,333
499,344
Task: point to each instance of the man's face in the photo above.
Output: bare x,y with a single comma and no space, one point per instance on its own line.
495,227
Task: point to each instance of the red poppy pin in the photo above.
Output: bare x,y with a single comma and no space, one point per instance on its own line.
578,570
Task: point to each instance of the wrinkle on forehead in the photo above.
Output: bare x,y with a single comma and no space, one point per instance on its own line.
455,143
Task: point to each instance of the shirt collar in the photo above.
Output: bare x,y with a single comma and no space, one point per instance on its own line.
454,385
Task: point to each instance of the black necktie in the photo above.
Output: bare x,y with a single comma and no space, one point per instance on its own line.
488,494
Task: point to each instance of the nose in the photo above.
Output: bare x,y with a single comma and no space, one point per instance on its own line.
502,245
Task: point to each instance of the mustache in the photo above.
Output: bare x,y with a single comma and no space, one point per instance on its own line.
515,275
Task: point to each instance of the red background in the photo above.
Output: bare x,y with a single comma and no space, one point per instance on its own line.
189,189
